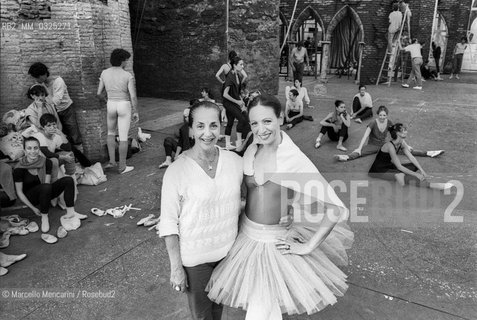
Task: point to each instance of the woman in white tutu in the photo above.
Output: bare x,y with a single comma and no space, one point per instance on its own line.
276,267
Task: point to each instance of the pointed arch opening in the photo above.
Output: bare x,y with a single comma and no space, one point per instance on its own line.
345,33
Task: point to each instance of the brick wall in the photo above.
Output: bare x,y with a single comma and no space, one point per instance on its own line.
180,45
373,15
74,39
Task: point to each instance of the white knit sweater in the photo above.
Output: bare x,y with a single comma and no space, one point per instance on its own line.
202,211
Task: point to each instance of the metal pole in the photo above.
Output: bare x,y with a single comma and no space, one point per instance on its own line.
227,25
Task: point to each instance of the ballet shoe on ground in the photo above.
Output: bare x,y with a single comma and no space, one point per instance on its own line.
32,227
48,238
61,232
144,220
3,271
70,223
152,222
5,240
7,260
98,212
80,216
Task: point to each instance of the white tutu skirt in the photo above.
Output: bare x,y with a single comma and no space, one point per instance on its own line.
254,270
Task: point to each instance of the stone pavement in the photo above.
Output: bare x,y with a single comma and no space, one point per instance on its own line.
406,262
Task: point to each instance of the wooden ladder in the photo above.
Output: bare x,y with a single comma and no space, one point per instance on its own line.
389,61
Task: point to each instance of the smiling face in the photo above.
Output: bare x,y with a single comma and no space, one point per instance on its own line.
32,150
205,127
382,116
265,125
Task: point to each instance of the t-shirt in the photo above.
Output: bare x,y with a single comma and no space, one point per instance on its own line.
298,55
365,100
395,19
118,84
52,143
58,94
378,137
415,50
231,82
29,180
460,48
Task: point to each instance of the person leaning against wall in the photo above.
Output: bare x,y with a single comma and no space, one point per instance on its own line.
59,97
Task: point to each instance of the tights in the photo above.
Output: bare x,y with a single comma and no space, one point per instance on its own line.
43,193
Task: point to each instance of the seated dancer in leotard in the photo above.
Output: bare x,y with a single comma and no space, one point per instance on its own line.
294,110
387,165
377,132
336,124
276,267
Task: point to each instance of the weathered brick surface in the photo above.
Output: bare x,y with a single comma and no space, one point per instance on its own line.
373,15
75,42
180,45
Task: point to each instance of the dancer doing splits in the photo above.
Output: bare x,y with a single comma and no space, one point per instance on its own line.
276,267
387,165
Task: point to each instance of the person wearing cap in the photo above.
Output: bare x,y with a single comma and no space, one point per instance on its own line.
184,142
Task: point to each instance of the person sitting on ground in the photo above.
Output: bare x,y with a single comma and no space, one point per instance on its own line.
302,93
58,96
427,73
185,141
32,176
294,110
362,105
39,106
387,165
336,124
376,134
206,95
54,145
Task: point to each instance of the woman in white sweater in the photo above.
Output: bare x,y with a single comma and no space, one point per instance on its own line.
200,207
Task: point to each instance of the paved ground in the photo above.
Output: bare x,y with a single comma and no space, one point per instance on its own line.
406,263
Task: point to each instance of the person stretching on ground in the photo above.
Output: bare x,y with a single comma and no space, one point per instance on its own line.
387,165
362,105
377,132
32,176
336,124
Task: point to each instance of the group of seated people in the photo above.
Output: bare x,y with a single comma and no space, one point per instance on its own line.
376,138
39,149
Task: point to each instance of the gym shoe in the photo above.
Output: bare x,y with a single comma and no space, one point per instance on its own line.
127,169
417,88
434,153
405,85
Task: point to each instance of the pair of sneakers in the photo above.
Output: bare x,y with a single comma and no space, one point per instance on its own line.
405,85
